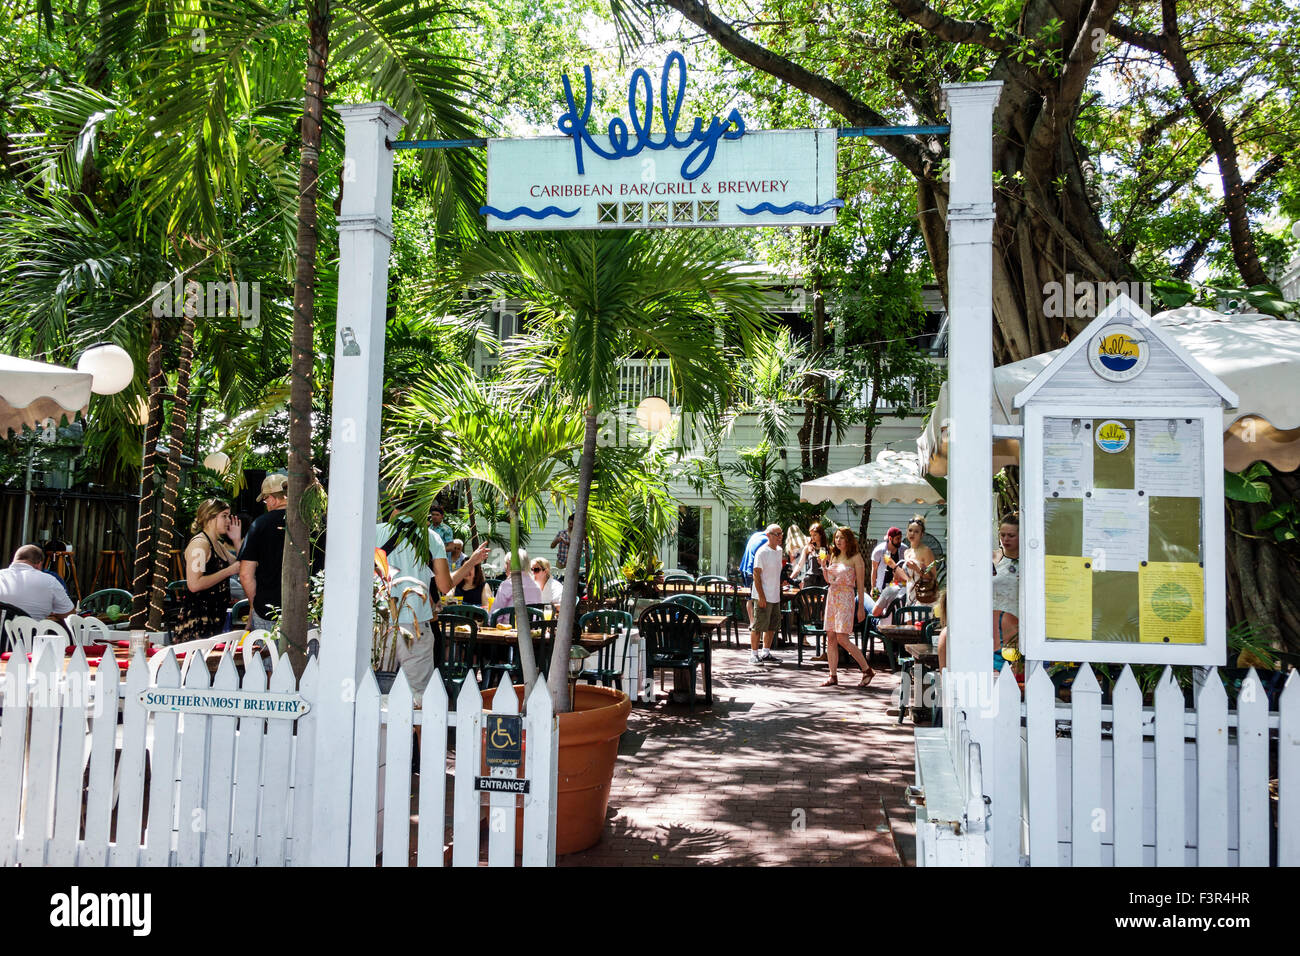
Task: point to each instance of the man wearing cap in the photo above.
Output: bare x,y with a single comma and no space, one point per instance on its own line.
881,570
262,554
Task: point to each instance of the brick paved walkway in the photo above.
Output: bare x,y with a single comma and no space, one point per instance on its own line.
780,771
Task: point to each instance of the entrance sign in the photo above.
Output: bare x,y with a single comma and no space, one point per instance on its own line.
717,174
1124,525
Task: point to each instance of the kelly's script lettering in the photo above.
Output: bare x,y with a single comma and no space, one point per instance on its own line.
641,114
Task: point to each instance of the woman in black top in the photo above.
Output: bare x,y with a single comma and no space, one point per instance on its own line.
812,558
209,566
474,590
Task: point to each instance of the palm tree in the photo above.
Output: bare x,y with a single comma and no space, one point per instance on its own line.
597,297
455,428
230,61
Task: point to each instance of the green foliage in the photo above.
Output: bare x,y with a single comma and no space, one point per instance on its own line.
1247,486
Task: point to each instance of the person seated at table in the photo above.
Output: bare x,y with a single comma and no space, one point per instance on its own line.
474,590
25,585
455,554
892,597
539,586
209,565
551,590
919,565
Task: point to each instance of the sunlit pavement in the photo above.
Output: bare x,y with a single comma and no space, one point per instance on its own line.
778,771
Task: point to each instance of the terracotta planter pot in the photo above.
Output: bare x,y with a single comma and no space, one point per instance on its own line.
588,748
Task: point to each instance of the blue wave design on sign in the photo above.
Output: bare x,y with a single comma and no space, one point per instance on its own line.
527,211
786,210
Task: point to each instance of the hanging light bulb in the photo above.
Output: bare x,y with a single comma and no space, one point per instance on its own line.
217,461
653,414
110,366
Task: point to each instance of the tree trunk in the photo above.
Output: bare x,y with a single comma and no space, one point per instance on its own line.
558,682
166,536
868,436
296,569
146,521
473,520
523,623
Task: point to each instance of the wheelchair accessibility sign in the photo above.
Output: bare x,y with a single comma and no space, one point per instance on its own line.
505,734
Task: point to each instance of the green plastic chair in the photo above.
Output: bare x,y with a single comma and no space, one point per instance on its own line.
465,612
97,604
692,601
611,659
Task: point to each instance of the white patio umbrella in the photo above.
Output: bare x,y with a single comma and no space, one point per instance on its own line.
32,392
893,476
1256,356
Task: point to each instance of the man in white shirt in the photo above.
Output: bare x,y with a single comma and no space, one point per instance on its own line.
24,585
766,593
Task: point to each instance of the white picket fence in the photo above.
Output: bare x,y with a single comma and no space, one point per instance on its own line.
381,774
1120,784
76,750
222,790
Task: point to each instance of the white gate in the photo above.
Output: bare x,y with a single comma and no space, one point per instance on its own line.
381,775
1120,784
75,755
90,777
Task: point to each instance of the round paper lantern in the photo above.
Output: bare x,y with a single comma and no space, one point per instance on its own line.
110,366
217,461
653,414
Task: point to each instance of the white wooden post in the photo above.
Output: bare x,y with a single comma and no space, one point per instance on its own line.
970,374
365,237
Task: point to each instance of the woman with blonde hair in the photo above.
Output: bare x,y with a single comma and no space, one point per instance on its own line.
919,565
209,566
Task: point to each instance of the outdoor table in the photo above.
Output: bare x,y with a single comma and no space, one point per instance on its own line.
713,622
896,635
508,637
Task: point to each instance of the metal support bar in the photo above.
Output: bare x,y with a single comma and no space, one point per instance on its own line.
848,131
842,133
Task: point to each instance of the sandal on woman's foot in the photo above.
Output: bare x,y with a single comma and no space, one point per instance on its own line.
866,678
829,682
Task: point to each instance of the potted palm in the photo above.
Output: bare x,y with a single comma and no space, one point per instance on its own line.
459,428
594,298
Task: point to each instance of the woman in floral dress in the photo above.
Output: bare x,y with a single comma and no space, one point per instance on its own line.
846,598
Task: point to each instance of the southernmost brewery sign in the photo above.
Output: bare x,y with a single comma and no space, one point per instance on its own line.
225,703
632,178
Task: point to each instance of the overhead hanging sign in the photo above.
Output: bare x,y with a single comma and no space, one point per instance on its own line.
714,174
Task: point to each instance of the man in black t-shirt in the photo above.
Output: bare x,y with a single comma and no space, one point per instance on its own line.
262,554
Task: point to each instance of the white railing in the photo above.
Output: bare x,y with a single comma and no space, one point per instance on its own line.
222,790
1087,784
381,776
644,378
